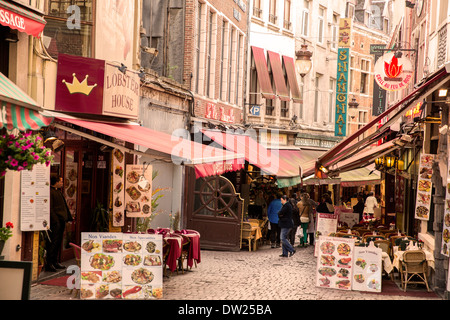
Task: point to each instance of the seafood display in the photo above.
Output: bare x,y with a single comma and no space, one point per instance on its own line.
121,266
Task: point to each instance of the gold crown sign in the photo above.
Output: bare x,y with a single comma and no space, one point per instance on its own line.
77,87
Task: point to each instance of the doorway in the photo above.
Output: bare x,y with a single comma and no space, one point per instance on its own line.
216,213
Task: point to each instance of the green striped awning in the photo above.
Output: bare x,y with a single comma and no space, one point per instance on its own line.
18,110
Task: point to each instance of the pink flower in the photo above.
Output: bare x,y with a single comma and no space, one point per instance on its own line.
36,157
26,135
14,163
3,173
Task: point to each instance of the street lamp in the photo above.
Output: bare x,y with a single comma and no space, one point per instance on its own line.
303,63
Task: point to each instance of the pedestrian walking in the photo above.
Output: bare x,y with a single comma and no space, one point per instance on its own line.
286,224
272,213
312,219
370,204
295,218
305,209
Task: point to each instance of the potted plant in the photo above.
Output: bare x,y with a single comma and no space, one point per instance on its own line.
100,218
5,234
22,152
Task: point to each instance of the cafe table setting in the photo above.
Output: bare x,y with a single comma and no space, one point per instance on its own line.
398,256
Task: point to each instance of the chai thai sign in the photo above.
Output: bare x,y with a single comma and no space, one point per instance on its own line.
93,86
393,73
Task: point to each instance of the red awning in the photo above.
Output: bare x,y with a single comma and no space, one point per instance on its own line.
206,159
21,19
289,65
278,76
263,73
269,161
394,113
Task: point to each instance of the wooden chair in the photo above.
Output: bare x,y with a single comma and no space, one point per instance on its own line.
248,235
385,246
414,264
77,253
186,244
166,248
371,237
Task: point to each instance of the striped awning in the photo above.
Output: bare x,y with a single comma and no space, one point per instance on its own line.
20,18
18,110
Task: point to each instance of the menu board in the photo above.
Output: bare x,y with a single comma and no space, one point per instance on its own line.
121,266
335,263
424,187
71,186
35,199
138,191
326,224
367,269
446,224
118,190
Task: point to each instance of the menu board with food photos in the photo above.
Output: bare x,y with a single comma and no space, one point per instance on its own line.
35,199
367,269
121,266
424,187
118,218
138,191
446,226
335,263
326,224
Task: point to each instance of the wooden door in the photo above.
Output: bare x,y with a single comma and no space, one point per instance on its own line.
216,212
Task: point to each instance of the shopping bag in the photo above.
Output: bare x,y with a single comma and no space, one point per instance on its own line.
299,232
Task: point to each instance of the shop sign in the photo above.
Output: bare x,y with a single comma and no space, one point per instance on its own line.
342,92
414,112
345,31
23,23
314,142
93,86
269,139
219,113
392,73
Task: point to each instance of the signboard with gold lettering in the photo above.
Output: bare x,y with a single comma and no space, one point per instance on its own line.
92,86
342,92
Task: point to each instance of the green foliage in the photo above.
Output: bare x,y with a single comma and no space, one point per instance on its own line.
100,218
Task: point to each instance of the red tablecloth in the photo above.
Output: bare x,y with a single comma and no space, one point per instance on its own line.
194,246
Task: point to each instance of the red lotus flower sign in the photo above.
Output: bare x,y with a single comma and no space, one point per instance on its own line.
392,73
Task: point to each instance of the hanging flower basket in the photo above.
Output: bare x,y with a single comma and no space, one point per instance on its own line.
21,152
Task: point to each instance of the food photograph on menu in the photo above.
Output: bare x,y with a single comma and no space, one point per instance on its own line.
118,215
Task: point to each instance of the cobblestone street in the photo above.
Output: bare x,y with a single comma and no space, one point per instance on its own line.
243,275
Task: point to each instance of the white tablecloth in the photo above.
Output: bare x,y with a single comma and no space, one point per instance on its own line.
398,257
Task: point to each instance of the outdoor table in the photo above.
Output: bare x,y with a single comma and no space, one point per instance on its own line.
387,263
256,229
194,247
175,242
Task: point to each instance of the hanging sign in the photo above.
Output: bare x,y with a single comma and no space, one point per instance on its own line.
138,191
392,73
424,187
342,92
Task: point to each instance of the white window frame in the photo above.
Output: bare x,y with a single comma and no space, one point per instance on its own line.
321,25
305,22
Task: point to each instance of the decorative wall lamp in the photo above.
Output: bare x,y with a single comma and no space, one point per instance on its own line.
303,63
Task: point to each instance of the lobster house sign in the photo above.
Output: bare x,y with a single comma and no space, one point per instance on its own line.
393,73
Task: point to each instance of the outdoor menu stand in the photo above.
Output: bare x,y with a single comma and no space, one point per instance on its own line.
15,280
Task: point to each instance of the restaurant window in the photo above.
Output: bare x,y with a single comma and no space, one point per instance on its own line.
76,41
257,9
320,25
331,99
316,97
287,24
209,63
305,19
222,60
198,46
365,69
273,12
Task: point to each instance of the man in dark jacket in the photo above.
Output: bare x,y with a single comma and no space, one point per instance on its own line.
295,218
286,224
359,207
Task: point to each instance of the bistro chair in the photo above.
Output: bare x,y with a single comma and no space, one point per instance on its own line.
186,244
414,265
371,237
166,249
385,246
248,235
